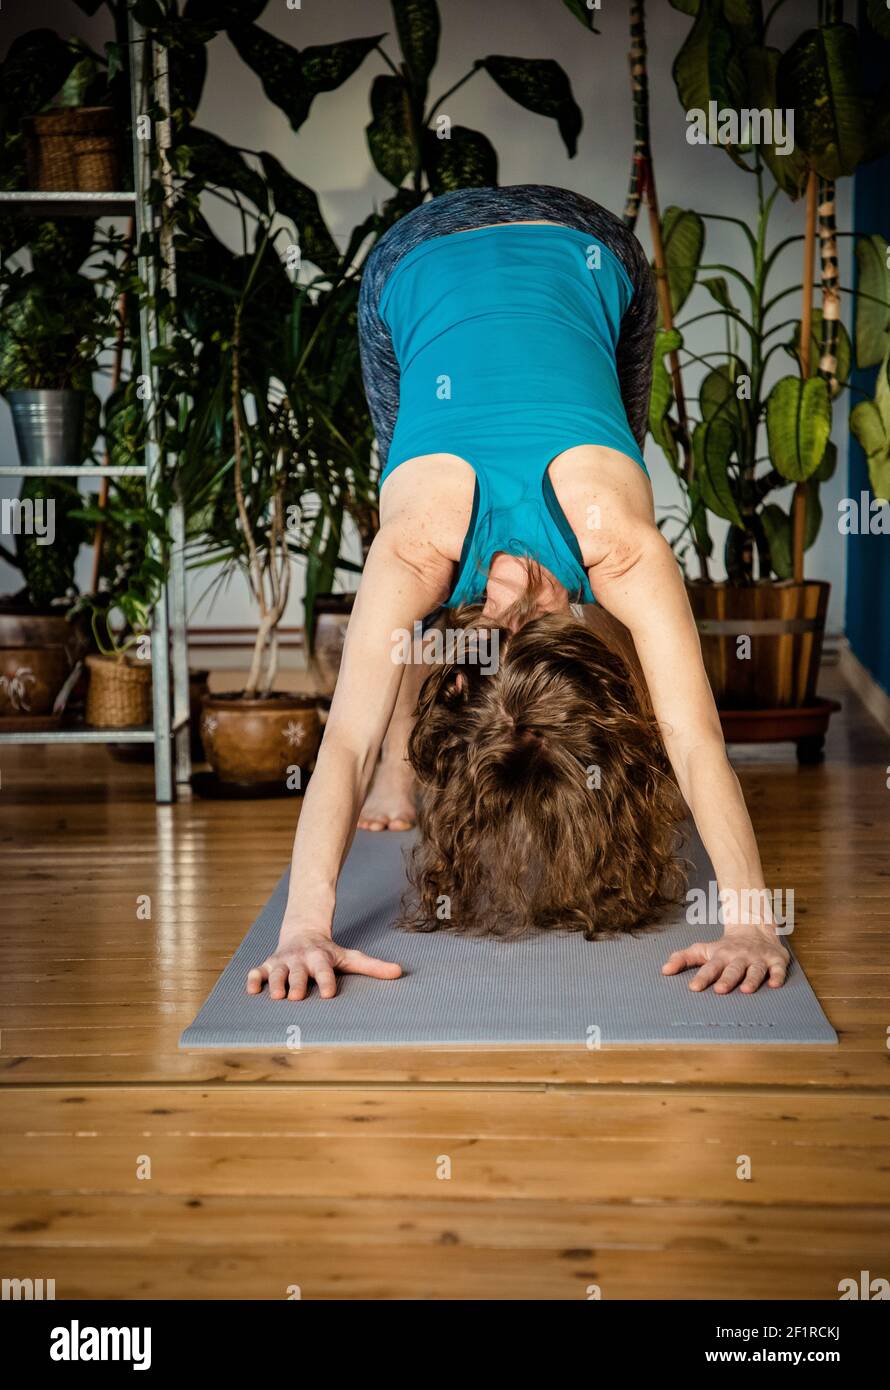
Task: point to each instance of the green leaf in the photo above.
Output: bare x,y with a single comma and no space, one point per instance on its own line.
292,79
718,289
870,423
662,393
325,67
868,427
878,17
706,69
389,131
698,517
844,350
33,70
466,160
582,12
789,169
418,27
718,396
872,319
683,234
214,161
745,19
819,77
84,76
298,202
778,530
224,14
540,85
713,442
798,423
828,465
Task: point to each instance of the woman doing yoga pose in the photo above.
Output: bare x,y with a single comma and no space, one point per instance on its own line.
506,339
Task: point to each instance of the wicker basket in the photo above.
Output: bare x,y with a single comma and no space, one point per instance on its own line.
52,156
98,164
119,694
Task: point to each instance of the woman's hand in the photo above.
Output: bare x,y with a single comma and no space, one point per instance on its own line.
313,955
743,957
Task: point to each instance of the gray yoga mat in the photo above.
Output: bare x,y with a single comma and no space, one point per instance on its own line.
548,988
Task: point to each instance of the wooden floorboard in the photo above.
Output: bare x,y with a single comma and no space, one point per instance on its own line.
129,1168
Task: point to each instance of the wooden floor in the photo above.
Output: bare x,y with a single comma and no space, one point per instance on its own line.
570,1170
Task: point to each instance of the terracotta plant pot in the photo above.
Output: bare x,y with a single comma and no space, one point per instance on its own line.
784,622
260,741
331,620
37,654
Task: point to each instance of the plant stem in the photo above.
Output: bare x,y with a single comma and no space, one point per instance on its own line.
451,90
255,566
799,504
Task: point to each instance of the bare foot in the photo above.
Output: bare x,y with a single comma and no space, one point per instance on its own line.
390,803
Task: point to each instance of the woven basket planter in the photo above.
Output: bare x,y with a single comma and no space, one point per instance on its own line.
119,694
97,164
74,149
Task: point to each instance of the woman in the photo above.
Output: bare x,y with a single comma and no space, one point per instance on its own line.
506,340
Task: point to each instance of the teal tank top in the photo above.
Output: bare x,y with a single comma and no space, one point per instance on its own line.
505,338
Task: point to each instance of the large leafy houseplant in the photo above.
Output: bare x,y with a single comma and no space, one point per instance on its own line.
751,436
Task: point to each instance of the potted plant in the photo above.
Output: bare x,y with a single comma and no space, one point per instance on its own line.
750,435
53,326
67,105
50,322
246,466
132,575
39,646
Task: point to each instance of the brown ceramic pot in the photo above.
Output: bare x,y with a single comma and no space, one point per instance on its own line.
259,740
198,688
331,620
36,656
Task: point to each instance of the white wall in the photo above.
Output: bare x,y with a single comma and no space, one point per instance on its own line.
330,154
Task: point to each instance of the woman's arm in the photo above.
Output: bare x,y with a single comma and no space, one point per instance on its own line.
402,580
640,583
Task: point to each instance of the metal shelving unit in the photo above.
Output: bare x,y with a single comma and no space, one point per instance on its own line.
169,731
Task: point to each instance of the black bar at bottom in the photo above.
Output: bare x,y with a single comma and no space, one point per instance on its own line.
63,1338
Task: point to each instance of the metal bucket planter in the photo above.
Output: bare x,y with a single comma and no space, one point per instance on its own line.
48,427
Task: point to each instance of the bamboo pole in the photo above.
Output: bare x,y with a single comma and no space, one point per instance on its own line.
642,189
799,504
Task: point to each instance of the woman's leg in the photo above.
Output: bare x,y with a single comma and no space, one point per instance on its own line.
390,804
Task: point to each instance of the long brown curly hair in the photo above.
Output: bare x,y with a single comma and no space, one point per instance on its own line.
547,800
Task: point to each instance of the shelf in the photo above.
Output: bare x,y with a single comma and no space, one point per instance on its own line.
86,470
82,734
33,203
